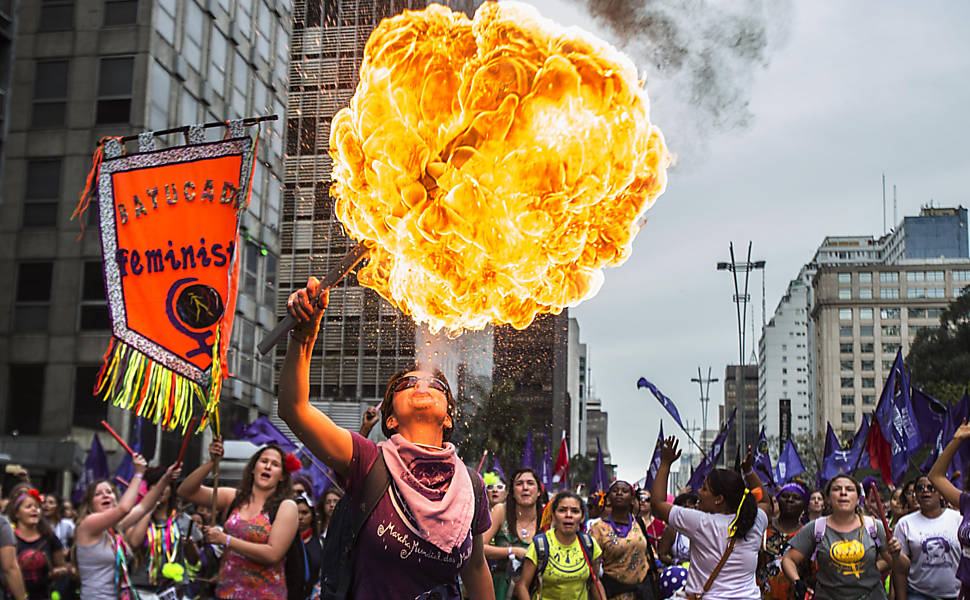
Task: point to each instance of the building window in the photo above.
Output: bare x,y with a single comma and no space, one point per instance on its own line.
865,314
892,313
56,15
845,314
33,296
94,305
865,293
192,38
934,276
240,84
915,276
888,277
865,330
114,90
847,364
890,330
161,83
264,28
962,275
868,365
868,382
251,270
845,331
868,399
889,293
865,277
218,46
89,410
890,347
848,418
845,277
848,400
120,12
845,294
845,348
165,20
848,382
43,190
866,347
50,93
25,401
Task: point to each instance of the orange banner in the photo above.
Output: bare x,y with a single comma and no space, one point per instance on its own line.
169,230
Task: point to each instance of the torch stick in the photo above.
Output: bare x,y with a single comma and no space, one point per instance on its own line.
482,462
185,441
348,262
118,438
215,488
881,511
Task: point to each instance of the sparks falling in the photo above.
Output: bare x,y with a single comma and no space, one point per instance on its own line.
495,165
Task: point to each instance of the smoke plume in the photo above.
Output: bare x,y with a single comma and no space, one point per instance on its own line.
700,58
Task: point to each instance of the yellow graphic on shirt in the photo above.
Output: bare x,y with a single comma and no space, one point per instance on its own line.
848,554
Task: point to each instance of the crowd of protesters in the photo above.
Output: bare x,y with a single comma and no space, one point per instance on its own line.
407,519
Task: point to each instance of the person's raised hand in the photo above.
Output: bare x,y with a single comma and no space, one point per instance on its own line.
139,464
748,463
669,452
215,450
963,431
306,305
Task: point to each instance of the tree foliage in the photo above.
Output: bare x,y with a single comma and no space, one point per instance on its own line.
939,358
580,470
492,419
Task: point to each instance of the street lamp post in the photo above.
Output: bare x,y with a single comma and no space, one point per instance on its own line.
741,302
705,384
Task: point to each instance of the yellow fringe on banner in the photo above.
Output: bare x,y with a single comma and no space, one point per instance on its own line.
215,387
134,382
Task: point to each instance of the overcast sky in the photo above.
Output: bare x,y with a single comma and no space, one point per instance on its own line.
850,90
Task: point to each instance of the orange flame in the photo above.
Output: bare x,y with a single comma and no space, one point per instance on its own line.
497,164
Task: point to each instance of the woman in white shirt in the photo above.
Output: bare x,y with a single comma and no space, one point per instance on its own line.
724,530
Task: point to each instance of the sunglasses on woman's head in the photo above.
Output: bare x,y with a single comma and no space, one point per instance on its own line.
413,380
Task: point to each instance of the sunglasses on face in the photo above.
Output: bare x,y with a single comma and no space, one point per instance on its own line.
495,487
413,380
929,487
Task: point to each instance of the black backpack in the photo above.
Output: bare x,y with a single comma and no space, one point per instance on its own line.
347,521
542,556
296,567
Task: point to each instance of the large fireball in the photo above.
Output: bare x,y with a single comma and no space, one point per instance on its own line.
493,165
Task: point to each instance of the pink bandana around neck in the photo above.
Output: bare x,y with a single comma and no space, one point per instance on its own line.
443,517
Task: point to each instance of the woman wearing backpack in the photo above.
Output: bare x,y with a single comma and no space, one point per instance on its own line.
955,497
425,525
850,550
261,522
563,561
724,531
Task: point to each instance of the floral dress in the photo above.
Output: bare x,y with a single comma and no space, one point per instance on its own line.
772,581
241,578
624,557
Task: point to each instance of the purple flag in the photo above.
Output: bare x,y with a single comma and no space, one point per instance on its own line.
315,471
762,462
545,471
894,413
262,431
655,461
699,474
930,416
95,467
599,482
497,468
954,418
528,454
664,400
789,463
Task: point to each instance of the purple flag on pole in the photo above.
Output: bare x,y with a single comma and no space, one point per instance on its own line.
713,455
894,413
529,454
599,482
655,461
666,402
95,467
262,431
545,471
762,462
789,463
930,416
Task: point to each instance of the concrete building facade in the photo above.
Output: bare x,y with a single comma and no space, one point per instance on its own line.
863,315
82,70
748,403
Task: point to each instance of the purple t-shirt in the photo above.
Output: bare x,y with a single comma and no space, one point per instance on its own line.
390,560
963,535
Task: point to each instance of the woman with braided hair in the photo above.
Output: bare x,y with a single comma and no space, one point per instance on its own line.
724,530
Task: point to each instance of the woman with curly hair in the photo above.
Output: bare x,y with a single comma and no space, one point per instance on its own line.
261,523
623,538
514,522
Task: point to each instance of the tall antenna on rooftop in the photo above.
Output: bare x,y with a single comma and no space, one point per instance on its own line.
884,203
895,208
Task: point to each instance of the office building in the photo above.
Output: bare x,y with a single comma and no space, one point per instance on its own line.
863,315
748,403
935,233
82,70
